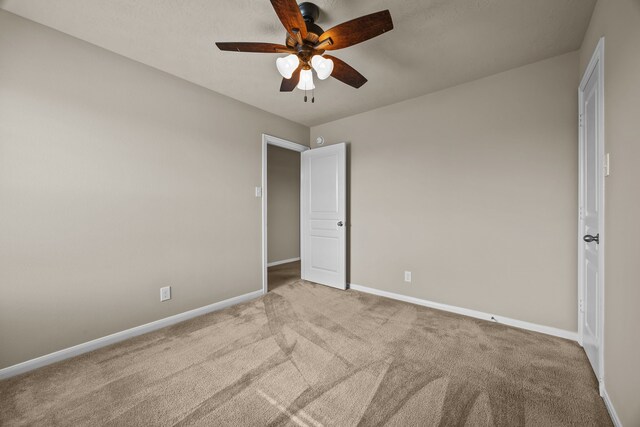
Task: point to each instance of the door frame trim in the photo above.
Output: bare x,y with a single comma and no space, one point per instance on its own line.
597,60
282,143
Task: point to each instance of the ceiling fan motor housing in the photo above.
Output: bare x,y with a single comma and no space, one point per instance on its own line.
309,11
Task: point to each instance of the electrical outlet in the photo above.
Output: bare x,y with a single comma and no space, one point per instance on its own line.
165,293
407,276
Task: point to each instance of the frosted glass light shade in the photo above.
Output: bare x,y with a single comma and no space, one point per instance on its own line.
287,65
306,80
323,66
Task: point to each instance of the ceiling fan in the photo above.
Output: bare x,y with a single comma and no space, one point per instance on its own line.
306,44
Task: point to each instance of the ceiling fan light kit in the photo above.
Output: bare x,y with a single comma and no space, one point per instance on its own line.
323,66
287,65
306,44
306,80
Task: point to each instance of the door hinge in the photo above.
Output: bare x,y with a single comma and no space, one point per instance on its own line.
580,120
581,306
580,213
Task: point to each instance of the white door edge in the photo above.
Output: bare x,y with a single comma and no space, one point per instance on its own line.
597,61
282,143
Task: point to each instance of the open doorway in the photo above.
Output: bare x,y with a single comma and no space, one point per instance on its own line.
283,216
280,211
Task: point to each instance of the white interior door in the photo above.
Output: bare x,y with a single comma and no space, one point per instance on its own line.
591,261
323,216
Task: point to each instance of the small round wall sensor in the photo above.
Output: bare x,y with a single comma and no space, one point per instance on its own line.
319,140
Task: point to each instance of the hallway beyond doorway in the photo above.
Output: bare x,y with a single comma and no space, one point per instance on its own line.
283,274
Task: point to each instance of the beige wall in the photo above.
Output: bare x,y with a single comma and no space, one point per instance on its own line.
619,22
283,204
474,190
117,179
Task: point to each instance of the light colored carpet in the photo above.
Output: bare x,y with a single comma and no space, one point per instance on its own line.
309,355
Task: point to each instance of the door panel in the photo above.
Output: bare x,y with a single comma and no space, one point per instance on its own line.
324,215
323,195
591,304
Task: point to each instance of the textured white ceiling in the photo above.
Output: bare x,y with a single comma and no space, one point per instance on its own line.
435,44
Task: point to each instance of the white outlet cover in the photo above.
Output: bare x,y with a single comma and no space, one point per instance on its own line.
407,276
165,293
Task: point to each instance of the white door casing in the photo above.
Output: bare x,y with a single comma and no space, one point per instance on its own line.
282,143
591,213
323,215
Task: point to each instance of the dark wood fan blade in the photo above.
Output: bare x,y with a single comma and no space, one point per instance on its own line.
254,47
358,30
290,16
288,85
346,73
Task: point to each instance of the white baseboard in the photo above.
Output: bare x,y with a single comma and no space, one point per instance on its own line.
610,408
284,261
573,336
76,350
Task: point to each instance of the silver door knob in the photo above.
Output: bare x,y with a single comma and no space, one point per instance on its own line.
340,223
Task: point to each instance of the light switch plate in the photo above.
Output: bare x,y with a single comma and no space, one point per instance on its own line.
258,191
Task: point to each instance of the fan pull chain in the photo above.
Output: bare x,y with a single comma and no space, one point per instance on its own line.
305,94
313,95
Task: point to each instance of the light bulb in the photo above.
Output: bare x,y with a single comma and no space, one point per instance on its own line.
287,65
323,66
306,80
